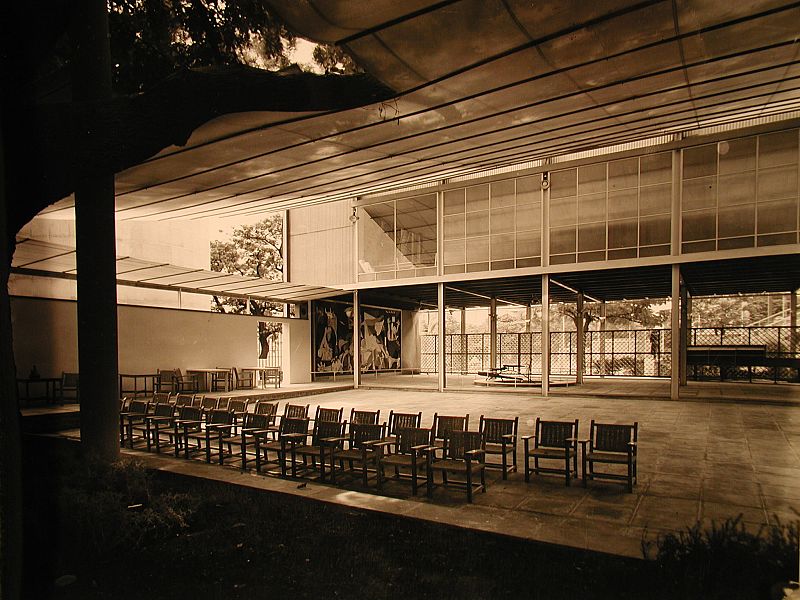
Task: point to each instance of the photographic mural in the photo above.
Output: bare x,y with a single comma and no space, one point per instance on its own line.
333,338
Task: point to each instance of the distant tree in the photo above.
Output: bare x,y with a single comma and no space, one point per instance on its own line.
333,59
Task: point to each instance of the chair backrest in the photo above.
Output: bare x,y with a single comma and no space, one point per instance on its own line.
69,381
607,437
270,408
443,424
197,400
408,437
364,417
164,409
138,407
183,400
327,429
237,406
494,429
255,421
366,432
220,416
457,443
292,425
223,402
208,403
124,404
399,421
160,397
295,411
553,434
190,413
333,415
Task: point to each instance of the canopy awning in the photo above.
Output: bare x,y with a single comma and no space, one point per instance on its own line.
45,259
482,84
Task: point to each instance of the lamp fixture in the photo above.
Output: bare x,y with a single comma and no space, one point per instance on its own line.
354,216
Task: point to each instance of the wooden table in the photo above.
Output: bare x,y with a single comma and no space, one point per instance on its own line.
274,374
144,378
208,377
52,388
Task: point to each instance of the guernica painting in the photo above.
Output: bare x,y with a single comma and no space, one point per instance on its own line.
333,338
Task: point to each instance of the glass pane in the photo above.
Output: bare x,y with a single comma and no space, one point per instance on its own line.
622,234
498,265
592,179
737,221
502,247
699,225
529,216
623,174
774,217
699,193
454,226
502,220
502,193
563,183
454,252
478,223
736,156
592,208
563,211
654,230
655,199
529,243
774,184
478,249
700,161
376,247
562,240
529,189
478,197
591,237
416,230
454,202
623,204
655,168
739,188
776,239
777,149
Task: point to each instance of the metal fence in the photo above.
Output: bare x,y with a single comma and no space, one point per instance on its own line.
629,352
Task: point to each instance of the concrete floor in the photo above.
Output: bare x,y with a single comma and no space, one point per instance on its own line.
697,461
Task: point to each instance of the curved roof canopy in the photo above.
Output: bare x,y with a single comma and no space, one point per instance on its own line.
481,83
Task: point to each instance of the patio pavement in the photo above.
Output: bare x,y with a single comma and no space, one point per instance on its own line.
697,460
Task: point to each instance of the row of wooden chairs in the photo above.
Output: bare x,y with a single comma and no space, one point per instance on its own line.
175,381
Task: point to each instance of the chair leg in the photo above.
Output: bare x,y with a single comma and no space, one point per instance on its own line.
219,446
414,475
505,463
147,434
583,467
527,464
630,475
244,453
567,470
469,482
208,446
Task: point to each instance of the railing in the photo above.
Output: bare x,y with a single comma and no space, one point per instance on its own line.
629,352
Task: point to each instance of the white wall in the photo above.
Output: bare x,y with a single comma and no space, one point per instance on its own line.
45,334
321,244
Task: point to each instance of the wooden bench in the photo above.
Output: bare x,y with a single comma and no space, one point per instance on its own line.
732,356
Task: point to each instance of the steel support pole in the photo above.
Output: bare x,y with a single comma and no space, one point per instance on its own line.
675,333
793,320
356,344
579,347
440,339
493,333
545,335
684,324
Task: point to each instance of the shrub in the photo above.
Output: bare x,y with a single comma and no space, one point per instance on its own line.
724,560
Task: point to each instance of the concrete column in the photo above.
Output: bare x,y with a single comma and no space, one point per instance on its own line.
96,252
545,335
356,340
581,340
684,325
493,332
675,332
793,319
440,345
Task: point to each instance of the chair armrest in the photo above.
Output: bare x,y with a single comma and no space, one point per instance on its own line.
383,443
571,439
187,422
220,426
372,442
528,437
293,436
334,440
161,418
632,444
421,447
507,436
476,452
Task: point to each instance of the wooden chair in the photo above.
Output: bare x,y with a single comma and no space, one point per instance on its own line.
360,448
222,382
326,438
134,419
208,404
270,409
611,444
244,379
364,417
161,398
462,454
273,374
291,431
183,400
165,380
185,383
253,429
443,425
408,450
189,422
553,440
70,383
124,407
500,439
163,416
223,402
218,423
295,411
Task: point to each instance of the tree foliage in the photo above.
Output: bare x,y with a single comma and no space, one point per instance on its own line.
253,251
